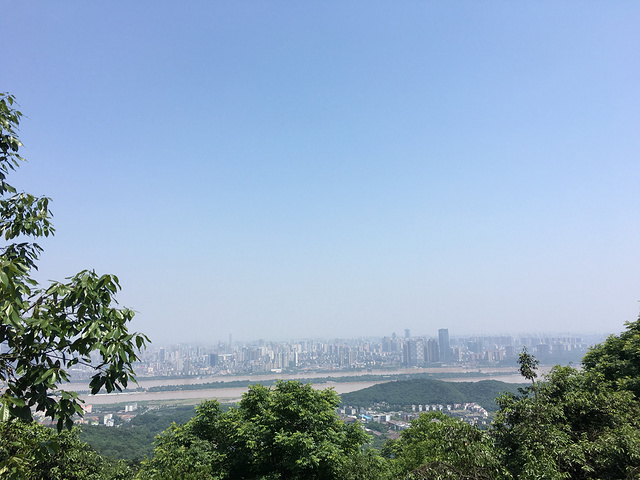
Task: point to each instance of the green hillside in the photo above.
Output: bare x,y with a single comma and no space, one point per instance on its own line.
422,391
134,441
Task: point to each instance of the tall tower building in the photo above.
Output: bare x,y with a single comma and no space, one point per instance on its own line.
431,352
407,333
213,359
413,353
443,343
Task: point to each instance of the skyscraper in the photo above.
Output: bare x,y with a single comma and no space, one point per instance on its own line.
413,353
431,353
443,343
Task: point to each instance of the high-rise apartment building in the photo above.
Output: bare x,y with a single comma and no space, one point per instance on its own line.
414,353
213,359
431,351
443,342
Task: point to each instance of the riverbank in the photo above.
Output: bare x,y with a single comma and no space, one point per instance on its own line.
196,390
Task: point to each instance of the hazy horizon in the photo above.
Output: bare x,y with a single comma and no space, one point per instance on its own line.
589,338
336,169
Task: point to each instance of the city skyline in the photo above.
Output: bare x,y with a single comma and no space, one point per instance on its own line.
363,355
590,338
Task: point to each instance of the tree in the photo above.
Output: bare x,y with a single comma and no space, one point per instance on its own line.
289,432
192,451
46,330
575,426
32,451
528,365
437,446
618,359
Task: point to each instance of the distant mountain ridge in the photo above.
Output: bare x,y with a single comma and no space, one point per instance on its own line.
421,391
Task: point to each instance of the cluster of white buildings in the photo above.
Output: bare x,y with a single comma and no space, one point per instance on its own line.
399,420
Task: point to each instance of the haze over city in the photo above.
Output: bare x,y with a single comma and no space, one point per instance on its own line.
327,169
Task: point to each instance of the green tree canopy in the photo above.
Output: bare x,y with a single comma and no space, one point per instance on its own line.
528,365
618,359
29,451
437,446
290,432
578,424
46,330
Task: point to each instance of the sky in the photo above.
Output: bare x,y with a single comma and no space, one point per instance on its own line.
285,170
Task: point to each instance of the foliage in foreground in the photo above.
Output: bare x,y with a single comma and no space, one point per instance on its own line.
31,451
46,330
578,424
440,447
290,431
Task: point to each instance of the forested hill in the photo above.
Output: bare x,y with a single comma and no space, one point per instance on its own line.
423,391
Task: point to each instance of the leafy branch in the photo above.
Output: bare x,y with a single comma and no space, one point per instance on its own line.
44,331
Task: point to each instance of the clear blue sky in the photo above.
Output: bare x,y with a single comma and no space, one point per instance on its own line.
296,169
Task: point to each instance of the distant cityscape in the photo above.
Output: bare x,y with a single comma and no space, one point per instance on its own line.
394,351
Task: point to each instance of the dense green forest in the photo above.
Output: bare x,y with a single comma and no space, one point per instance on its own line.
404,393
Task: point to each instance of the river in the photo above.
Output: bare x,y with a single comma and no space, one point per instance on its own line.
232,394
